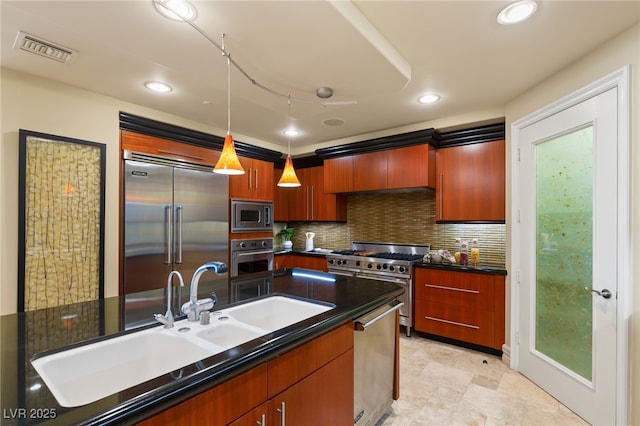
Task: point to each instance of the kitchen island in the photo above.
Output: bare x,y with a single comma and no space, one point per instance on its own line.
27,400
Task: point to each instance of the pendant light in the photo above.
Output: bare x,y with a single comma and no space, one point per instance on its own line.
228,163
289,178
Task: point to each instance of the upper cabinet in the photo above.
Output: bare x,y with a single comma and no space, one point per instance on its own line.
471,183
256,183
411,167
407,167
338,174
310,201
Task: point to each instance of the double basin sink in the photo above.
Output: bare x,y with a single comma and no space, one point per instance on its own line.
90,372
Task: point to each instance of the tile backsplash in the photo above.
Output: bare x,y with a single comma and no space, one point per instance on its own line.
407,217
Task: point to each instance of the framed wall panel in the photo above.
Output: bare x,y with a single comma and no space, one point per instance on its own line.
61,220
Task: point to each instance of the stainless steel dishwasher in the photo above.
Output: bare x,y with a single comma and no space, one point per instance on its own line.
374,352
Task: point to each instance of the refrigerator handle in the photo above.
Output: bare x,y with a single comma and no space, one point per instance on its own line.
179,234
167,235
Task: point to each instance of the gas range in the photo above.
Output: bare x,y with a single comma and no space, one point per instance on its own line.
377,258
383,262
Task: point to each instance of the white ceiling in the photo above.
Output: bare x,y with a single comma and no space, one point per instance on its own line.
453,48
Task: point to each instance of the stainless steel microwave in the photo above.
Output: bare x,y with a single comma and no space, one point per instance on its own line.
251,216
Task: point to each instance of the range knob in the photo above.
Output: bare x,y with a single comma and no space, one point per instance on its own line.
369,266
264,243
379,266
385,266
331,261
242,244
357,263
402,269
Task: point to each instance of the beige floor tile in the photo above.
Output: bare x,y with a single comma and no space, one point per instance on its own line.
446,385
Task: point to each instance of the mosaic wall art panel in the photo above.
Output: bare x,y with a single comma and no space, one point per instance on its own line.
61,214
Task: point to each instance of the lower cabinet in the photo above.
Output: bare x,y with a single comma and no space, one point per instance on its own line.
465,306
292,260
309,385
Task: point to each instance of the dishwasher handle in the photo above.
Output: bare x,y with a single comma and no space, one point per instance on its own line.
366,321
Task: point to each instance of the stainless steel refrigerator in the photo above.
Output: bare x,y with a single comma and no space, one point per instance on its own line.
175,218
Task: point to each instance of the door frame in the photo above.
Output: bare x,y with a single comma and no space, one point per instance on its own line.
620,80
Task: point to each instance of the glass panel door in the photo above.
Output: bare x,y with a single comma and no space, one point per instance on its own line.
564,250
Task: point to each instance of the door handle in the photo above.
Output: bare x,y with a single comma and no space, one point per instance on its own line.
178,255
604,292
167,236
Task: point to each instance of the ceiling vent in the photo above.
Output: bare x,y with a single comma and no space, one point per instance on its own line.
43,48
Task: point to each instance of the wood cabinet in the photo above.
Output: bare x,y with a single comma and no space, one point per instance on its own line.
309,385
310,202
370,171
471,183
338,174
411,167
399,168
280,199
464,306
318,263
256,183
165,148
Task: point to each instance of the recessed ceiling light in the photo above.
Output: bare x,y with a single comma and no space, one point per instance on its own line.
333,122
292,132
158,86
429,98
178,10
517,12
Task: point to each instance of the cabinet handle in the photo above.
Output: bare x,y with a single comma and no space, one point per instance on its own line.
250,177
463,290
307,203
255,173
441,198
313,199
262,421
282,413
461,324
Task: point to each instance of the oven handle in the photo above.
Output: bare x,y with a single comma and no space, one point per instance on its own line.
250,253
364,322
402,281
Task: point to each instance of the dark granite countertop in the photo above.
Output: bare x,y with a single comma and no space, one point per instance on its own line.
481,269
27,400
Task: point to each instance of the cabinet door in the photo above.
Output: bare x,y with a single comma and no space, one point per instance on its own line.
338,174
411,167
471,182
280,199
307,262
370,171
256,417
262,180
330,387
256,183
218,405
300,198
459,305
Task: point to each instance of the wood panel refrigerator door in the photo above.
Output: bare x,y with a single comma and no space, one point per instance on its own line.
148,257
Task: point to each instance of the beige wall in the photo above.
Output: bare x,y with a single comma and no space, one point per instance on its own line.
611,56
43,106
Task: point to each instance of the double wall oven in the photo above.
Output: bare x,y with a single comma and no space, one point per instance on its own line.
383,262
251,255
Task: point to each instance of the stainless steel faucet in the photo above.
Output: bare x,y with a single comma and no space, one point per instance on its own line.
195,306
167,318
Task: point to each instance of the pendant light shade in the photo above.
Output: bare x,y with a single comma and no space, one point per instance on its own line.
228,163
288,178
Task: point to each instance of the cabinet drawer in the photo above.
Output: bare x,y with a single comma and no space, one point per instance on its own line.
469,324
471,295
